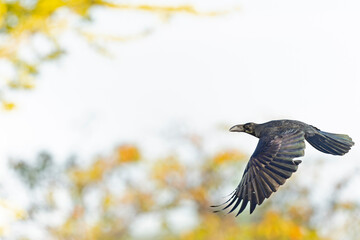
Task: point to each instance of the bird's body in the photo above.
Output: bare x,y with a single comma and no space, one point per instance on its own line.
280,141
276,127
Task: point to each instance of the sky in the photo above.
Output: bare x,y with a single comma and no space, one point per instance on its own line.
195,74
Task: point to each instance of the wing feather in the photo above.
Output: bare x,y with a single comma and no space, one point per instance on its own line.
268,168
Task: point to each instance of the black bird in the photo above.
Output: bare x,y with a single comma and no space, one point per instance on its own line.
280,141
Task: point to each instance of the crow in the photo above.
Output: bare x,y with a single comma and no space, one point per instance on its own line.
280,141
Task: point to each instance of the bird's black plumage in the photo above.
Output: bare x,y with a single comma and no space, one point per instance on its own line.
280,141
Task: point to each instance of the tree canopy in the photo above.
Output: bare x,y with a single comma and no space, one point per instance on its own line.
122,194
30,33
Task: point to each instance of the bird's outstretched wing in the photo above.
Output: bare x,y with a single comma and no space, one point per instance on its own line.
268,168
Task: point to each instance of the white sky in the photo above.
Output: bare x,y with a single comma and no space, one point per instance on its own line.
270,60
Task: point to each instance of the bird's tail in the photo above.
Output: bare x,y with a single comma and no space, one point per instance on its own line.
336,144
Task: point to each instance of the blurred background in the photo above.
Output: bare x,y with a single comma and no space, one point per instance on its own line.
115,114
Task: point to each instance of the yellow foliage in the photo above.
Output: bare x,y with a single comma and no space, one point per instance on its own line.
346,205
271,227
45,7
127,153
108,201
82,177
70,229
159,9
164,9
17,212
300,213
199,194
3,11
22,21
169,171
171,174
143,201
8,106
81,7
25,80
228,156
167,184
212,227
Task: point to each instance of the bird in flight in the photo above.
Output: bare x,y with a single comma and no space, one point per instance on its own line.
280,141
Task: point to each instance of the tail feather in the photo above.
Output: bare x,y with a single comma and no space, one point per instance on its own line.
336,144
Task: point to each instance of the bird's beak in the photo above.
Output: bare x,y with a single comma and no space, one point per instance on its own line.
237,128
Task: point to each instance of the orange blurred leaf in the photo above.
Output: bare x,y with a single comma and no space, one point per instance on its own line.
228,156
127,153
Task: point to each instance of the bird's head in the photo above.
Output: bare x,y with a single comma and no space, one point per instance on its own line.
247,127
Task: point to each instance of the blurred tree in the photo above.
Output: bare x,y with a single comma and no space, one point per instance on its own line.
30,31
119,195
